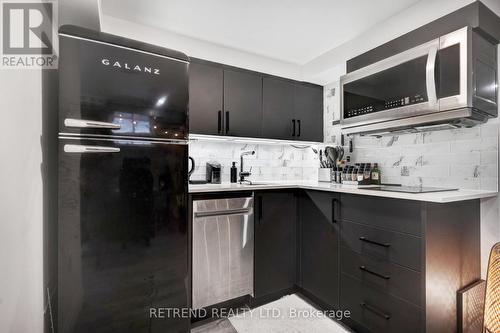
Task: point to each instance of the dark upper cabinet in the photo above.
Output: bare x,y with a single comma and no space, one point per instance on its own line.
275,239
236,102
319,246
205,98
308,112
242,103
277,108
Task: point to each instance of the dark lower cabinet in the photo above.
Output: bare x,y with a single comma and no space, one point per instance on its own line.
319,246
403,261
205,98
387,277
377,311
275,239
393,247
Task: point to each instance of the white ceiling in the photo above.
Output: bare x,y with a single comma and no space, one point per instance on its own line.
294,31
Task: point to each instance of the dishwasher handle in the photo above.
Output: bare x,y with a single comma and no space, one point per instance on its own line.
227,212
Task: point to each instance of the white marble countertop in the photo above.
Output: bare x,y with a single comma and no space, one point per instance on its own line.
439,197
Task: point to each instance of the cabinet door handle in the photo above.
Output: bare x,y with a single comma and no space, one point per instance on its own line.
293,127
219,121
385,277
335,210
366,240
298,123
375,311
227,122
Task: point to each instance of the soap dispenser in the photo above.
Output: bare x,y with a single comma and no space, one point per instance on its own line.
234,173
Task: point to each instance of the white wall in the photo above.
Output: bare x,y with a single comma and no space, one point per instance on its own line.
21,224
199,48
327,67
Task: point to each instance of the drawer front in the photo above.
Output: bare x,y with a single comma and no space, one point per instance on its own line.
377,311
392,214
381,244
382,275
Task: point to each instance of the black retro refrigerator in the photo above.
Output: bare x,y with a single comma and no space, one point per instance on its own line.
122,184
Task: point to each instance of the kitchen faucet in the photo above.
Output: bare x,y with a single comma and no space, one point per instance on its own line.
244,174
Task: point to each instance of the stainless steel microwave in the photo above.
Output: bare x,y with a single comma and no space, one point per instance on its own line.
448,82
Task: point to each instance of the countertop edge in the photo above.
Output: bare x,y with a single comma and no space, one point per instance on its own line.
436,197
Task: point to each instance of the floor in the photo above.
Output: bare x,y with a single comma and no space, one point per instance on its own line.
288,314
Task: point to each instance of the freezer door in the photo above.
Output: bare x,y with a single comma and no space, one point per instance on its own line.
122,241
105,89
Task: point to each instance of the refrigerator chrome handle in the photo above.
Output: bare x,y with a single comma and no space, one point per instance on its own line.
89,149
82,123
430,77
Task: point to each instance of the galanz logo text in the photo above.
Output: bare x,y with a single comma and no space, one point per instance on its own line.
134,68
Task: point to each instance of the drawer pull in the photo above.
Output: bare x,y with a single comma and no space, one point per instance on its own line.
335,210
364,239
363,268
375,311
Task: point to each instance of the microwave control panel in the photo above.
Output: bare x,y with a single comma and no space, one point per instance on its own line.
384,105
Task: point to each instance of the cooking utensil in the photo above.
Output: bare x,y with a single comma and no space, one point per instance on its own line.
332,156
321,162
340,153
327,159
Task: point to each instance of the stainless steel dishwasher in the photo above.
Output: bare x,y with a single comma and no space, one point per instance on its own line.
223,244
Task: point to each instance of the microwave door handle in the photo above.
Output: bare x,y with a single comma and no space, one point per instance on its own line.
431,76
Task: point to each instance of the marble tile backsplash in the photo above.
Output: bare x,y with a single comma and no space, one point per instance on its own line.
463,158
271,162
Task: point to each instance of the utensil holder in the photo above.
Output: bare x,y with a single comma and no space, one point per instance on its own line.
325,174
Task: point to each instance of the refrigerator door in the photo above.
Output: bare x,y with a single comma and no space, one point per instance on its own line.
122,235
112,90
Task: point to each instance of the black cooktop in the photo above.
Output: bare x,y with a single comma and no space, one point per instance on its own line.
411,189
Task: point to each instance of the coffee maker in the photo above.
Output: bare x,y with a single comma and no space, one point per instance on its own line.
213,173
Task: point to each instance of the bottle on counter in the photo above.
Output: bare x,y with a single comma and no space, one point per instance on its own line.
367,172
354,174
344,173
360,174
349,174
338,175
234,173
375,175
